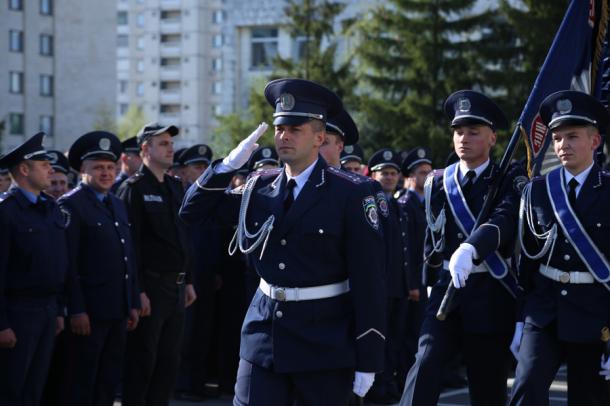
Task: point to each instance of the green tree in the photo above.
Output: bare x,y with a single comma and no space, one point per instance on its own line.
105,118
133,120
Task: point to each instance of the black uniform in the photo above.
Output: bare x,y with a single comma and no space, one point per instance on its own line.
162,252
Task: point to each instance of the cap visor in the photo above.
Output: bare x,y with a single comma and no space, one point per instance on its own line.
290,120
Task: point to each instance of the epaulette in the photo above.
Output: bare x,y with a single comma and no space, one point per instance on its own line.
71,192
4,196
265,172
352,177
134,178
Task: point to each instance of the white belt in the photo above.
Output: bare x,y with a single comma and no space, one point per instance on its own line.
476,269
310,293
566,277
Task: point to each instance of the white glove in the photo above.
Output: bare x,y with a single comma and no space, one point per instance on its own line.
515,345
242,152
363,382
460,264
605,372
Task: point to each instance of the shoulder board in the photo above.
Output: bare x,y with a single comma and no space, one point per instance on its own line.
352,177
71,192
134,178
4,196
605,173
265,173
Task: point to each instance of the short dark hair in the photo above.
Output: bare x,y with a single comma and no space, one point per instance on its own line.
317,125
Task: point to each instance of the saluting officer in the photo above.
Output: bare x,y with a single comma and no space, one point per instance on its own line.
59,178
130,162
476,260
33,264
564,265
103,297
318,313
351,158
163,259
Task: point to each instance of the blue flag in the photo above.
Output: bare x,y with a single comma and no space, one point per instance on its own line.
571,63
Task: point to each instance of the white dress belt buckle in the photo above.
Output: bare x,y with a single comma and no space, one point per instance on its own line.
282,294
566,277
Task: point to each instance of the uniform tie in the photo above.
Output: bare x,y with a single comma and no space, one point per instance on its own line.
289,195
468,181
573,184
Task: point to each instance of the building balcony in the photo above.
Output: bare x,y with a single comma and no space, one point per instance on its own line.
170,4
170,96
172,72
170,26
169,48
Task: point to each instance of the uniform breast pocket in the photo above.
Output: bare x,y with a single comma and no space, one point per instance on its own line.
599,230
321,238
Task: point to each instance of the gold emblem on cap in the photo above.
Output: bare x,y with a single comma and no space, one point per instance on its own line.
53,157
287,101
104,144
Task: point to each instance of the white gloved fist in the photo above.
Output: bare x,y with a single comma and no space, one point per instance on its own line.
460,264
605,365
243,151
363,382
515,345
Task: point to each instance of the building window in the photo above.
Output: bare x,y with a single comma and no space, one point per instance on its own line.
217,110
46,85
218,17
46,125
122,40
140,89
140,42
122,18
217,41
46,45
15,4
16,82
140,65
217,88
170,109
264,47
15,41
16,123
123,107
123,84
46,7
217,65
140,20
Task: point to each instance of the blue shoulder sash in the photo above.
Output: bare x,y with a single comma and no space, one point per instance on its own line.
494,262
574,231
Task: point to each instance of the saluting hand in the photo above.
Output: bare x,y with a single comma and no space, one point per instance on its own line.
145,305
7,338
242,152
80,324
189,295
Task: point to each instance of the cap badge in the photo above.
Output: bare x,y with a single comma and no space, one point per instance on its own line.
348,149
53,157
387,155
104,144
421,153
464,105
287,101
564,106
202,150
266,153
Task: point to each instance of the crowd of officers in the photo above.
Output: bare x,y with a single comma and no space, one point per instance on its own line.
113,281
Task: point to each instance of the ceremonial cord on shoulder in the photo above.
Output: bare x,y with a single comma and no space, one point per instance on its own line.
435,224
525,214
241,236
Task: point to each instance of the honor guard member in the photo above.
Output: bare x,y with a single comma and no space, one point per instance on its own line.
262,159
163,259
476,262
318,314
5,178
195,161
59,178
416,167
103,297
564,265
351,158
33,264
177,168
130,162
384,168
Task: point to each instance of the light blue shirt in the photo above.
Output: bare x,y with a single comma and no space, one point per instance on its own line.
32,198
478,170
580,178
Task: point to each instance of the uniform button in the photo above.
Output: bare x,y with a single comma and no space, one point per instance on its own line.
404,249
116,223
321,231
29,230
282,242
599,225
122,241
99,224
279,314
566,257
403,234
405,263
126,277
282,266
564,292
566,241
125,259
255,224
460,235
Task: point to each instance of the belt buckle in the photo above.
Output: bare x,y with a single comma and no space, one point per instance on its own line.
564,277
180,278
280,294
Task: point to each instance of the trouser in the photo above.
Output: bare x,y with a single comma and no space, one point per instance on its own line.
94,364
153,348
540,355
487,359
258,386
23,368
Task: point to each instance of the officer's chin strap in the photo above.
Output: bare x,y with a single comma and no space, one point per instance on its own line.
241,236
435,224
550,236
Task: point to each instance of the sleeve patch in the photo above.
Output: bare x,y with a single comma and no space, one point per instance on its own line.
370,212
382,204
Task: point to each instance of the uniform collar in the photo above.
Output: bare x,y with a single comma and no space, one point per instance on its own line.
31,197
301,178
581,177
98,195
478,170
